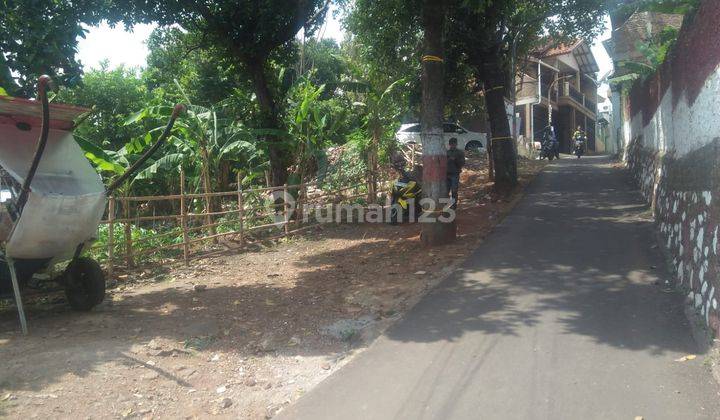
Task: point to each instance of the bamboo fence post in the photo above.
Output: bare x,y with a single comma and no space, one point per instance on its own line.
300,207
208,216
241,209
128,235
286,207
183,217
111,236
371,185
372,172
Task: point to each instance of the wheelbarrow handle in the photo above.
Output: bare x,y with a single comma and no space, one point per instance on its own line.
43,82
179,108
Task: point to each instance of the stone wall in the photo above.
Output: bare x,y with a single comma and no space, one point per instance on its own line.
672,131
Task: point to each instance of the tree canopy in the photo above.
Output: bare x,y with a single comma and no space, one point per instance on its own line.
243,61
40,37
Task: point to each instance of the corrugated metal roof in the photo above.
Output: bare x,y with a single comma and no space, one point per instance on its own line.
585,58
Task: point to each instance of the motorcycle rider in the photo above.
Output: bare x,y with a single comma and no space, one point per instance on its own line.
455,163
579,134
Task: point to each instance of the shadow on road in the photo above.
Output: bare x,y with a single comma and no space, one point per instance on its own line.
580,252
579,249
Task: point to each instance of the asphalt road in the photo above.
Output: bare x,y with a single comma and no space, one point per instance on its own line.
555,316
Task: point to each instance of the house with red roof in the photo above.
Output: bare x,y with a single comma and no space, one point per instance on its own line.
557,87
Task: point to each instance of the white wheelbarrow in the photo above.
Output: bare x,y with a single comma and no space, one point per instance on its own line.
51,200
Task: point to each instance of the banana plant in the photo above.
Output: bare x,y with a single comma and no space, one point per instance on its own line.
308,126
207,144
379,115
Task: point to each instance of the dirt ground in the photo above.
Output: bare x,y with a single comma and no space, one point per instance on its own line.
237,335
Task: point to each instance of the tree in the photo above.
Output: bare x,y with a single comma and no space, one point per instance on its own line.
113,95
434,185
250,34
324,63
479,39
387,36
488,32
40,37
309,125
177,56
387,41
378,114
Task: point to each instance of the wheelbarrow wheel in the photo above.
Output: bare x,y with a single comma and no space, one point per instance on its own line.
84,284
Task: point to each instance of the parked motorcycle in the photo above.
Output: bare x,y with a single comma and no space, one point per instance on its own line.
547,150
405,197
549,147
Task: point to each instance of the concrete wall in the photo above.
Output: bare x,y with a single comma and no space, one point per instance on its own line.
670,127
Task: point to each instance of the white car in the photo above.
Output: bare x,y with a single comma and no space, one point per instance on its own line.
466,139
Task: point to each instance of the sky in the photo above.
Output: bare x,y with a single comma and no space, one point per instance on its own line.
120,47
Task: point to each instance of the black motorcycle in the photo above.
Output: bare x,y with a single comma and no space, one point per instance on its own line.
579,147
549,148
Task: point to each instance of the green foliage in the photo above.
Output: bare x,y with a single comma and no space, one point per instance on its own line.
105,161
626,8
324,63
201,142
311,123
484,31
253,36
112,94
245,29
387,38
350,166
176,57
655,48
143,239
380,109
39,37
479,36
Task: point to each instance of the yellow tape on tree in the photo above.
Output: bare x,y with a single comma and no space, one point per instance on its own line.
431,58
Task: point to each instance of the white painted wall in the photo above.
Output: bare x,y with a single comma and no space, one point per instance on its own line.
697,125
685,128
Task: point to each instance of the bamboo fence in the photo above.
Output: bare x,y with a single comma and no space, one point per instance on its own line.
242,215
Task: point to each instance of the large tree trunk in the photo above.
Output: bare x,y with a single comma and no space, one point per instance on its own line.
434,231
503,151
278,169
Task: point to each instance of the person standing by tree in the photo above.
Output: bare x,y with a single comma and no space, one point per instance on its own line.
455,163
